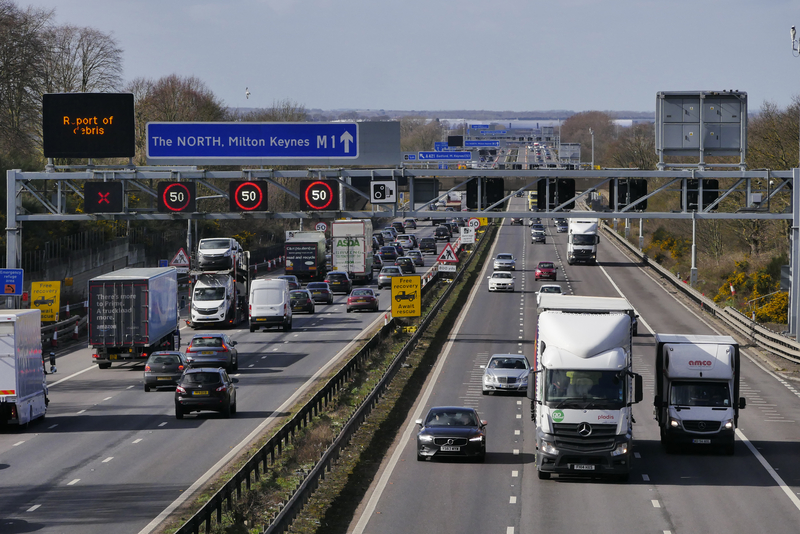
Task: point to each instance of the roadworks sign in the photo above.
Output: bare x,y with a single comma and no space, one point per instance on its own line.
181,259
448,255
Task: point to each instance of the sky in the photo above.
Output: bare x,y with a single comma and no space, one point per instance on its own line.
501,55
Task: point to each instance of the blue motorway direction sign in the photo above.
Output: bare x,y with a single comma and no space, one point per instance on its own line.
441,145
239,140
493,132
11,280
481,143
479,126
434,156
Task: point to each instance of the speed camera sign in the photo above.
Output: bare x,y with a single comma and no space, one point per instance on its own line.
383,192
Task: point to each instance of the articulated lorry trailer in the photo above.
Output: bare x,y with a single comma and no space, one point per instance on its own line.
133,312
583,235
305,255
697,390
582,386
23,391
352,248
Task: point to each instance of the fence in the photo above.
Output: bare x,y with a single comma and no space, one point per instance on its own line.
765,339
260,462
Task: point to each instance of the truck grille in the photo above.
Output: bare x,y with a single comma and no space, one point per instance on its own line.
701,426
600,438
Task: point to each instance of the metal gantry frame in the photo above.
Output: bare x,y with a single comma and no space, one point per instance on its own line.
137,179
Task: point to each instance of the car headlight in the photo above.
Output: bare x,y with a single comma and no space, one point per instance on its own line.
727,424
425,438
674,423
227,253
548,448
489,379
479,437
523,381
620,449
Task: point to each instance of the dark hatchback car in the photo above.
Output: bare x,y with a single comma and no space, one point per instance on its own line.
377,262
379,237
406,265
400,227
301,300
410,223
388,254
427,245
320,292
205,388
451,431
164,368
443,233
339,282
212,350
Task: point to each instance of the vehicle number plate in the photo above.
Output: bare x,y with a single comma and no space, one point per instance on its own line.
261,319
112,357
702,441
361,300
163,378
206,352
199,392
583,467
449,448
316,292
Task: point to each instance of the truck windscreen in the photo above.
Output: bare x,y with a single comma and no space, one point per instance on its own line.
605,389
578,239
715,394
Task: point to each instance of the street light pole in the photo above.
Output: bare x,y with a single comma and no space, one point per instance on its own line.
591,132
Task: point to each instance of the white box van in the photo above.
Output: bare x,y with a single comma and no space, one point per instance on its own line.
270,304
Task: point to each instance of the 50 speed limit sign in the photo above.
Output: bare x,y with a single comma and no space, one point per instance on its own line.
474,223
321,227
319,194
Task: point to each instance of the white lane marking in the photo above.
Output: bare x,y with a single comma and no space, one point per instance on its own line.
519,416
786,489
163,424
129,387
515,452
656,504
509,530
108,398
73,482
512,500
80,412
646,478
52,426
514,474
517,432
18,443
637,455
73,375
251,365
34,507
137,440
108,459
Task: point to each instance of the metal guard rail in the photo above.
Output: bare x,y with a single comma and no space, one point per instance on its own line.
764,338
260,461
56,333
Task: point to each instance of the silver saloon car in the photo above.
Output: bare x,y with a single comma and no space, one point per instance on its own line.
505,372
505,262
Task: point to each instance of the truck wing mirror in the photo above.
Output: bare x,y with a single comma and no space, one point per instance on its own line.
657,401
639,388
742,403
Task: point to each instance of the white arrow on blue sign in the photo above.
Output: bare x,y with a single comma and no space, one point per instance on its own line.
239,140
434,156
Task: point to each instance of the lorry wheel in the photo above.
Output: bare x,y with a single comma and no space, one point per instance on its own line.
252,329
146,388
104,365
543,475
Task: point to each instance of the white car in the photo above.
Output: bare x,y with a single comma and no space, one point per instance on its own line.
549,289
405,241
505,262
501,281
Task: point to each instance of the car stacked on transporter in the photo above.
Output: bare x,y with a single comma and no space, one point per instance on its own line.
220,283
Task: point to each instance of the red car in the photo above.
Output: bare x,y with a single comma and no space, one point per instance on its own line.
362,299
545,269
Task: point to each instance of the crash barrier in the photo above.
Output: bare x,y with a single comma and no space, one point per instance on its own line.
764,338
266,456
55,334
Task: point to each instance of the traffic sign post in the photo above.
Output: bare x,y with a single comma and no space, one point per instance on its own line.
321,227
177,197
406,296
318,195
102,197
248,196
12,282
383,192
448,255
474,222
445,156
467,236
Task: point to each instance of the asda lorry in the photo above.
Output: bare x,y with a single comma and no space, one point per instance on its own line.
352,248
132,313
582,386
23,391
582,239
305,255
697,390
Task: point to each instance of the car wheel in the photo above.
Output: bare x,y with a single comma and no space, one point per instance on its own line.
481,457
226,411
146,388
178,411
312,310
252,328
484,392
233,408
543,475
235,366
349,310
420,458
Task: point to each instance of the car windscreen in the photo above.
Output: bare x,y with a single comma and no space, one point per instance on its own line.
298,295
362,293
390,270
505,257
164,358
578,239
200,379
451,418
544,265
501,275
507,363
209,293
268,296
317,285
715,394
212,244
550,290
336,276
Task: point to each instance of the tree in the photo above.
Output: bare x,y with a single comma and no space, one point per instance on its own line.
281,111
418,133
576,130
634,148
772,137
81,60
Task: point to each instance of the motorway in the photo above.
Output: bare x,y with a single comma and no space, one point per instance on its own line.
110,454
693,491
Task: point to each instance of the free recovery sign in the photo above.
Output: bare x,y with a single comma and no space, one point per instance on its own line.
195,141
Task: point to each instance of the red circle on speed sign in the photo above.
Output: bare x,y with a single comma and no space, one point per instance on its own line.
474,223
319,195
248,196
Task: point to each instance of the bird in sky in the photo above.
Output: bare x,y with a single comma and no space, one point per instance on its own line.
246,93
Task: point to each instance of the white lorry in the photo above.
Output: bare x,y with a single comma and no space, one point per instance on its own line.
697,390
23,390
582,386
582,238
352,248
